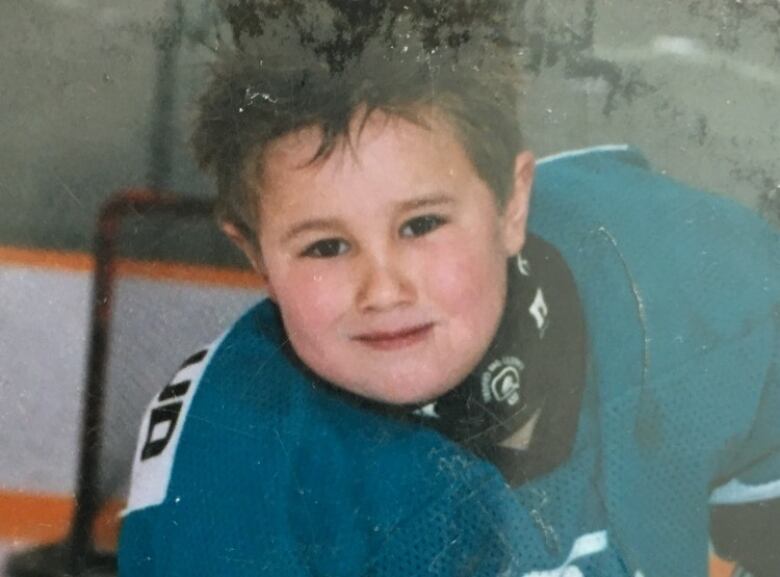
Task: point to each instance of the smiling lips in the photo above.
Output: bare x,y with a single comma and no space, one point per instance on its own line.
385,341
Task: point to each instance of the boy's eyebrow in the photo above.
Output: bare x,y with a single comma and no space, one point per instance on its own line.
432,200
313,224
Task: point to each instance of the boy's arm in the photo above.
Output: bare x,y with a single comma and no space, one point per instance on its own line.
240,484
225,522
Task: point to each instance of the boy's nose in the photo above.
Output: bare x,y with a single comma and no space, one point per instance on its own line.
384,284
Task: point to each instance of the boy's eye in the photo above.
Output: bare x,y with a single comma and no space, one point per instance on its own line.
326,248
421,225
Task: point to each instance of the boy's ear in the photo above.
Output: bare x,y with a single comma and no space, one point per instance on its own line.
250,249
515,216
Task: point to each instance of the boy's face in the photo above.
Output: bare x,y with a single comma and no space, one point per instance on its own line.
388,258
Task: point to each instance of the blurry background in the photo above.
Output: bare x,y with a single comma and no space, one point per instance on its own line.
96,95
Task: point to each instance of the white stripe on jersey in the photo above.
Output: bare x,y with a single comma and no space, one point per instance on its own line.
735,492
151,476
583,151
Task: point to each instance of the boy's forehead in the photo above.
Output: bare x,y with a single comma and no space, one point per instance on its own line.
389,154
301,148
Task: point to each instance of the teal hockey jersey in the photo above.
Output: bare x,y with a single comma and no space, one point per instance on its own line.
246,466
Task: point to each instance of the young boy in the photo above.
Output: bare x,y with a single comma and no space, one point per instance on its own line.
437,385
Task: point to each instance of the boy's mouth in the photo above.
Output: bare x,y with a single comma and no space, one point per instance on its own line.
389,340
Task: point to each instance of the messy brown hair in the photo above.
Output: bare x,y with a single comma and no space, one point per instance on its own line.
286,73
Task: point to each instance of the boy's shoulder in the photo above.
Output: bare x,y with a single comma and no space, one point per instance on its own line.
667,274
258,438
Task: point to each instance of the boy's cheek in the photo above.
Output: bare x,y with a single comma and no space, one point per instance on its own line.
311,299
464,271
